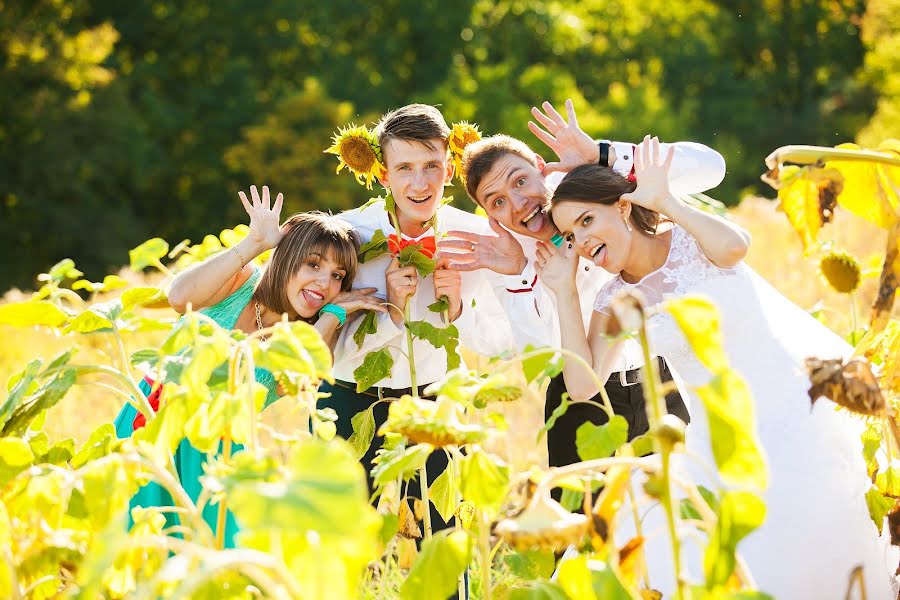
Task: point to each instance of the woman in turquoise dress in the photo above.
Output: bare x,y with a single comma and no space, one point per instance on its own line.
308,278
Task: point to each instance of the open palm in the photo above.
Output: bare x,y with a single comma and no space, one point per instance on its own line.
652,175
265,218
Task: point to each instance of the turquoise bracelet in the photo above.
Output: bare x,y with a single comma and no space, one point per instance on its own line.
557,240
337,311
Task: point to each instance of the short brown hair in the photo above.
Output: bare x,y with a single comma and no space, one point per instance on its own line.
596,184
310,233
412,123
479,158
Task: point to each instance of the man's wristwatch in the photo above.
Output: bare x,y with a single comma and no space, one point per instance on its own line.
604,154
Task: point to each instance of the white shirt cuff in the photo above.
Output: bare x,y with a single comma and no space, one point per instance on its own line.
524,282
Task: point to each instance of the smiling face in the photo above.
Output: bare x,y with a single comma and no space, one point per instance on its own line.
314,284
598,231
515,193
416,175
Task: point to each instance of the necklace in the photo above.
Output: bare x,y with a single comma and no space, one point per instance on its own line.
259,324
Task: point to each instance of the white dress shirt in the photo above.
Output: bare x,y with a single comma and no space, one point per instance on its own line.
695,168
484,326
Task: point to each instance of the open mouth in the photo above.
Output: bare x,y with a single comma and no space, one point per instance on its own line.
313,298
598,254
419,200
535,220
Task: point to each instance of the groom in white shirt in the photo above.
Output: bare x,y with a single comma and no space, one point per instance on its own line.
507,179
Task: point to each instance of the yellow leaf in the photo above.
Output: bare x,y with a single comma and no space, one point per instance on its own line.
800,202
870,189
698,319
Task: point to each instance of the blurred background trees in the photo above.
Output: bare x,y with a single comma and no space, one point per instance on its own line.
128,120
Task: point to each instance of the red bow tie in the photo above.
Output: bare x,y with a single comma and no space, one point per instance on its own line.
155,395
426,245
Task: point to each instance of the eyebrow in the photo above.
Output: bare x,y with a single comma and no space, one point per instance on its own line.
511,174
580,216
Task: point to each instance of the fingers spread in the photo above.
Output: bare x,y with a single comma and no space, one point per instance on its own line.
462,245
265,198
279,201
543,119
463,235
541,134
246,203
570,112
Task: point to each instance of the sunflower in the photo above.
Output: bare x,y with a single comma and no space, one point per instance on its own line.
544,524
841,270
429,422
461,135
357,149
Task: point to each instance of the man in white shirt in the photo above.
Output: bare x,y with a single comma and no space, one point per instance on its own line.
413,140
514,185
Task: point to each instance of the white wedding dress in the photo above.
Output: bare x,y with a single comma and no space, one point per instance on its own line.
817,526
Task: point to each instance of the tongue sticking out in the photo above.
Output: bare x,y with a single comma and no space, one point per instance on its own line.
536,223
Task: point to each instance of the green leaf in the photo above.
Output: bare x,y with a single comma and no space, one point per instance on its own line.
485,480
546,365
325,491
34,312
871,439
377,246
107,489
435,574
45,396
148,253
531,564
100,443
363,424
596,583
439,337
739,514
732,430
376,366
389,204
444,491
539,590
15,457
600,441
88,321
367,326
439,306
888,482
688,509
295,348
698,319
879,506
64,269
400,461
109,283
142,296
642,445
413,256
147,358
558,412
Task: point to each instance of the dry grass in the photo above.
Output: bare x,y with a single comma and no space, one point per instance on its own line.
776,254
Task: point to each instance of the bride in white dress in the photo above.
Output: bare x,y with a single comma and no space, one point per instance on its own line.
817,528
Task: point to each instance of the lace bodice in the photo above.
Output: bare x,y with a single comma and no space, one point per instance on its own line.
685,271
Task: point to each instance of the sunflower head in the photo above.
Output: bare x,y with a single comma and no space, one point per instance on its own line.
461,135
357,149
842,271
544,524
430,422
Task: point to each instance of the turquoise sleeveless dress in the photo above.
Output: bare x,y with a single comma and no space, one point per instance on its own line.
188,460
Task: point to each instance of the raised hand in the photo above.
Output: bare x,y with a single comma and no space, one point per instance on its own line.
652,175
401,284
572,145
448,283
265,219
556,267
469,251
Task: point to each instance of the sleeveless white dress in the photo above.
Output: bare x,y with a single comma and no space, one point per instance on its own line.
817,526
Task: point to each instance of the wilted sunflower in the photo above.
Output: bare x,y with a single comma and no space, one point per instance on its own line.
842,271
850,384
461,135
357,149
544,524
429,422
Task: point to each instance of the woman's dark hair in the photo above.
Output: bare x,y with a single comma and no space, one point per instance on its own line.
310,233
595,184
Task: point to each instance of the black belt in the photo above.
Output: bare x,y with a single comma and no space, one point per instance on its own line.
635,376
384,391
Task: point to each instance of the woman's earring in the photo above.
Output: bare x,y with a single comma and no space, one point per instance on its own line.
627,224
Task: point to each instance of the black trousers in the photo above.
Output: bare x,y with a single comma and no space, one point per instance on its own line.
627,401
347,403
